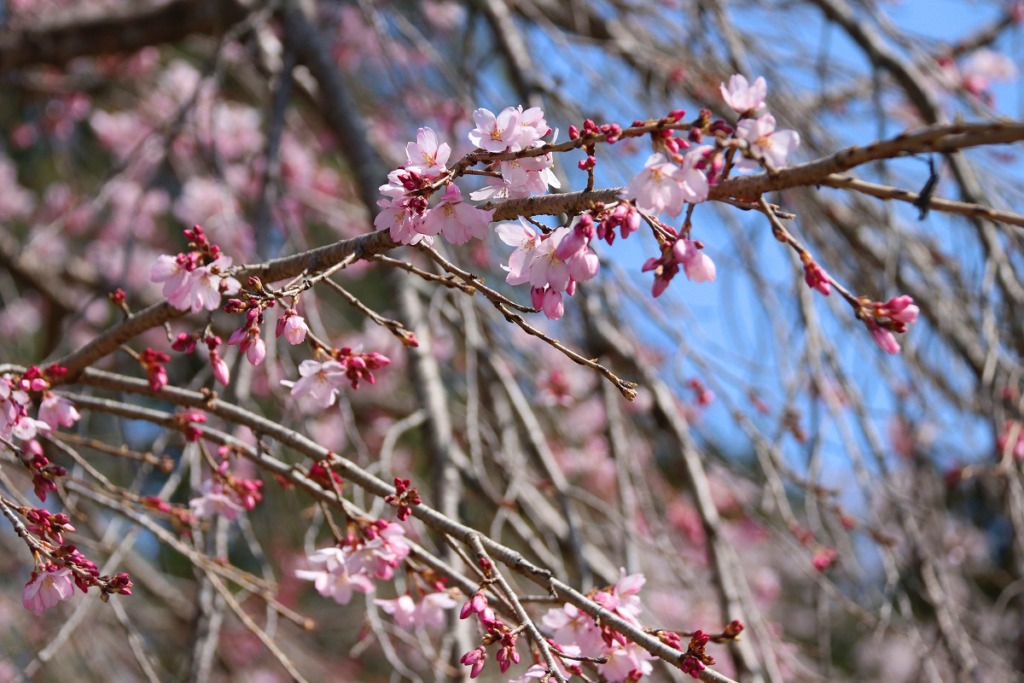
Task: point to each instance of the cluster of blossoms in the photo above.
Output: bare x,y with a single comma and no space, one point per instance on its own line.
495,631
574,628
891,316
405,210
15,400
196,279
372,551
677,175
552,263
55,581
54,411
60,566
404,498
226,495
186,281
319,381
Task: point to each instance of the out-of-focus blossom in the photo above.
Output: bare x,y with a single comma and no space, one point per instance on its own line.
743,97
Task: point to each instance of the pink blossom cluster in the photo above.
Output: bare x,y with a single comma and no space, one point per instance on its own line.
684,252
44,473
226,495
46,524
891,316
405,210
195,279
352,566
676,176
495,632
254,302
319,381
552,263
427,611
574,628
513,130
404,498
55,581
978,72
14,404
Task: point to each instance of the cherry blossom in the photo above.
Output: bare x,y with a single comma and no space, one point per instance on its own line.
458,221
741,96
380,556
292,326
983,67
47,588
524,238
496,133
216,499
429,611
331,576
319,382
656,189
766,142
698,266
532,125
249,341
402,217
14,418
426,156
56,410
885,339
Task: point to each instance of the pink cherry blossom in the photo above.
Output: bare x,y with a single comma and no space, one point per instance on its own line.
216,499
524,238
402,217
535,672
195,289
319,382
885,339
532,125
552,304
47,589
656,189
56,410
985,66
458,221
380,556
221,372
692,181
698,266
426,156
546,269
623,661
403,609
292,326
429,611
773,145
331,577
250,342
742,97
496,133
901,309
572,626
